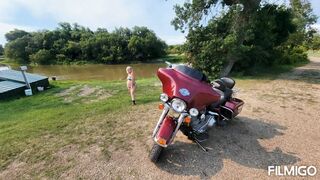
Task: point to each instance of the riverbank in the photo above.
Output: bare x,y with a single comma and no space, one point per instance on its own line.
88,129
85,72
173,58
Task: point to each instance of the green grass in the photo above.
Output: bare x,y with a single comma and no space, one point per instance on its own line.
315,53
39,125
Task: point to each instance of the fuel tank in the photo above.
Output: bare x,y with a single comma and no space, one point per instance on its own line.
194,91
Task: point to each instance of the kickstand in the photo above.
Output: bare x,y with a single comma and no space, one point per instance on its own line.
202,147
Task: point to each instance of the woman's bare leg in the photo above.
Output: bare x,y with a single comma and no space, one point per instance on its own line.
132,93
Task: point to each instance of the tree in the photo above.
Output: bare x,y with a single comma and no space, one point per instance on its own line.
15,34
244,33
303,19
71,43
190,15
43,56
315,42
1,50
144,44
16,49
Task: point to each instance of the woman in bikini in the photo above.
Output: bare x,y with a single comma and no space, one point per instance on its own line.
131,84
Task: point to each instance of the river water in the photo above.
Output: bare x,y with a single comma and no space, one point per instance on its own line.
94,71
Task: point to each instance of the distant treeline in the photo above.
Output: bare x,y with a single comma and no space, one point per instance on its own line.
74,43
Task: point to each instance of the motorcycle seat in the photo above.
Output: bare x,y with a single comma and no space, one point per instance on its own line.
227,93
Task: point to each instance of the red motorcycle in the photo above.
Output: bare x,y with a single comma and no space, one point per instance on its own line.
192,105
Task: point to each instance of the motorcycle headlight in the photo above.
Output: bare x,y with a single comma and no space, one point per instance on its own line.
164,97
193,112
178,105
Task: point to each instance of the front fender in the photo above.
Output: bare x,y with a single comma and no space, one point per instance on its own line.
165,132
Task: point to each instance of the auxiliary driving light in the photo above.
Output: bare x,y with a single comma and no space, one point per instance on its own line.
193,112
164,97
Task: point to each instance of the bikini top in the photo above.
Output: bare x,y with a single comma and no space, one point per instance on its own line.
129,78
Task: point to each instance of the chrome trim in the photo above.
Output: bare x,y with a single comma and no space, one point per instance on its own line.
180,121
163,115
213,113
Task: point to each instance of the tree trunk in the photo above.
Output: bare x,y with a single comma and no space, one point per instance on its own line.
227,69
240,24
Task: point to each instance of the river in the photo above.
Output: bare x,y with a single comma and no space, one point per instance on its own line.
94,71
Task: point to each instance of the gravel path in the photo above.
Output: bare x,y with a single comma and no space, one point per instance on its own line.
278,126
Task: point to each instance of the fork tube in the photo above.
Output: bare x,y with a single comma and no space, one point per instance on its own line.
163,115
180,120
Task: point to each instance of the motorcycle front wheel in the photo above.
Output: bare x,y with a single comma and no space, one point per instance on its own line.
155,153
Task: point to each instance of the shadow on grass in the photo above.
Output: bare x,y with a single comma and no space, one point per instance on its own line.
238,142
269,73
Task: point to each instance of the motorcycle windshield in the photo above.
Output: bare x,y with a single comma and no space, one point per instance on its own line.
192,89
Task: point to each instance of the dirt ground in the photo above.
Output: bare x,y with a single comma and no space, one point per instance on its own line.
279,125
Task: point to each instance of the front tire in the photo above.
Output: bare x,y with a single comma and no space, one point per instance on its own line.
155,153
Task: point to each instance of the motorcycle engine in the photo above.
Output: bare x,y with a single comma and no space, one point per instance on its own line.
202,123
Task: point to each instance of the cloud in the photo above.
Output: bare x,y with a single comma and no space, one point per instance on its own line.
92,13
109,14
4,28
173,39
6,10
316,26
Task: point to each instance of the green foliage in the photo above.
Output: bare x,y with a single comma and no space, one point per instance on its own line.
315,45
143,44
16,49
303,19
245,36
295,55
267,45
15,34
43,56
215,46
1,50
175,49
74,43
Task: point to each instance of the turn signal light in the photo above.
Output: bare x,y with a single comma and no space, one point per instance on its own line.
162,141
161,106
187,119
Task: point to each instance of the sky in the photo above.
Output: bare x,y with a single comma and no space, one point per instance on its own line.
33,15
